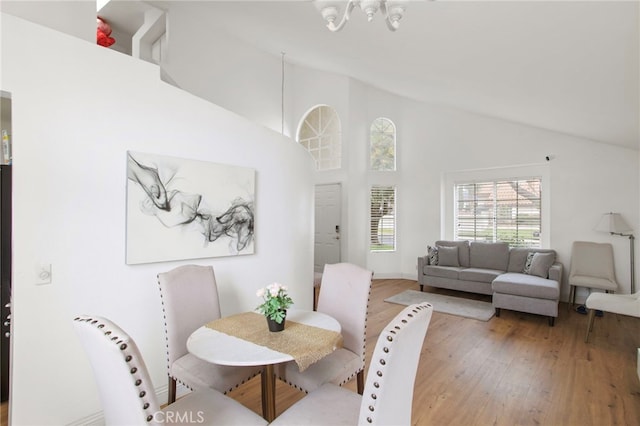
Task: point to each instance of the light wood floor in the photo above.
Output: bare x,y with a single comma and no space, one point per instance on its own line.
512,370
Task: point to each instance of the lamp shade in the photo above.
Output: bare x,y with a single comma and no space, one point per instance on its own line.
613,223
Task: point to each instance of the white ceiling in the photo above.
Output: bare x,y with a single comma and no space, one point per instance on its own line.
572,67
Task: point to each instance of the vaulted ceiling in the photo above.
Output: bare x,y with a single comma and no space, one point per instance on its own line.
571,67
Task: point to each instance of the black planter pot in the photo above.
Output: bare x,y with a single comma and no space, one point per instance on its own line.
274,326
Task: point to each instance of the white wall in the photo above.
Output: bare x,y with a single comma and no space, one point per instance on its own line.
72,126
586,178
74,17
215,63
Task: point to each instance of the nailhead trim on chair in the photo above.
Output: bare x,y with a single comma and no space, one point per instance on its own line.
364,345
387,349
166,337
127,357
166,333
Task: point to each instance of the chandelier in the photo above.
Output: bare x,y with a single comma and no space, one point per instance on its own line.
391,9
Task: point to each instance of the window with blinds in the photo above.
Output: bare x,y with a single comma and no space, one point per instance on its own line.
501,210
382,218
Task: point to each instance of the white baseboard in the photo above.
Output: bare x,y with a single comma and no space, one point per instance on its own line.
394,276
96,419
162,393
411,276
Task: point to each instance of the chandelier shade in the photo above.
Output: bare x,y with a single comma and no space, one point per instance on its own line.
333,14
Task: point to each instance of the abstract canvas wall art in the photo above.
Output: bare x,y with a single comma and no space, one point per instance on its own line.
187,209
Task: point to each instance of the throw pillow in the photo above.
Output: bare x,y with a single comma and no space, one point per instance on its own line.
527,263
448,256
540,264
432,254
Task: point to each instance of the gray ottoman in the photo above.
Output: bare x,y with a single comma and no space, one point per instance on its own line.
526,293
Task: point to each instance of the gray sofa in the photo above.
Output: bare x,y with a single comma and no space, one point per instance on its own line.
519,279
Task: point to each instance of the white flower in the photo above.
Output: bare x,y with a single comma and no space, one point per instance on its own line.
275,301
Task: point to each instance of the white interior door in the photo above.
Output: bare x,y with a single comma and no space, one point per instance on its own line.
328,225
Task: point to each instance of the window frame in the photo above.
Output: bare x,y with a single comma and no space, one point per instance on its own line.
449,179
394,219
497,210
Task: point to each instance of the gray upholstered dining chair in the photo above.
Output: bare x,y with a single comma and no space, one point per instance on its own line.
344,295
126,391
591,266
388,393
189,296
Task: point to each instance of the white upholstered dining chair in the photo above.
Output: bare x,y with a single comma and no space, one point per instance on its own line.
344,295
623,304
388,392
189,296
127,394
591,266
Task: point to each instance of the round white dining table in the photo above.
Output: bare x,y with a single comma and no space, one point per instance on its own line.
223,349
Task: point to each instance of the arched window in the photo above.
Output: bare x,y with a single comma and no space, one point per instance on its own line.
382,143
320,134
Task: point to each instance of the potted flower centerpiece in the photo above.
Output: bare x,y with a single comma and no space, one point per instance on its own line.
274,305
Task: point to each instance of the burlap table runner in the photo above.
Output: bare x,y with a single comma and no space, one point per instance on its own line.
305,343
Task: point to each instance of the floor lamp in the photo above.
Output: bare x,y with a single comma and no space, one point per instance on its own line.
614,224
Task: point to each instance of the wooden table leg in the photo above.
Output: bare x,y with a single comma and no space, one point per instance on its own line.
268,381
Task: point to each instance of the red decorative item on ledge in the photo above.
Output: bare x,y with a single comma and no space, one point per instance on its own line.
104,32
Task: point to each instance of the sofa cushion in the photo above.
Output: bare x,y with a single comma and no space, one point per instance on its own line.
489,255
432,254
479,274
442,271
526,285
518,257
448,256
463,250
527,263
540,264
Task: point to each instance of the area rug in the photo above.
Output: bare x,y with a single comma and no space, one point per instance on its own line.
476,309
